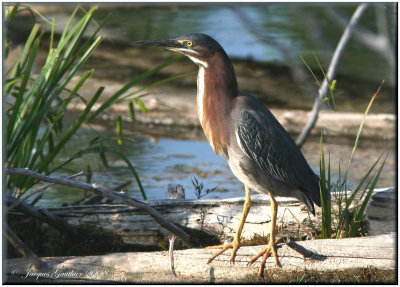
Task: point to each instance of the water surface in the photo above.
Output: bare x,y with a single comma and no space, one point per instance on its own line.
177,161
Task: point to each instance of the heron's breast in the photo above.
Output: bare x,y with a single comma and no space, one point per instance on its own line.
210,114
200,94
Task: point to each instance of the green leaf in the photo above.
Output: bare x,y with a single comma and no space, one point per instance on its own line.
26,51
140,104
359,215
134,82
311,71
131,110
345,212
103,158
21,104
88,174
119,129
10,13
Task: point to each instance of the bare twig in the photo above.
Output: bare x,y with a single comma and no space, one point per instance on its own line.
39,189
165,223
171,255
331,73
22,248
379,42
174,191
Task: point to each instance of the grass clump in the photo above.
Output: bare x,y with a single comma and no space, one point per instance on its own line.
36,104
346,221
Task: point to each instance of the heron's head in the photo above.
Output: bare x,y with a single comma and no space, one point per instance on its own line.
200,48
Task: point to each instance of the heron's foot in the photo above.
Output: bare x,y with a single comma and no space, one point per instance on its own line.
234,245
271,249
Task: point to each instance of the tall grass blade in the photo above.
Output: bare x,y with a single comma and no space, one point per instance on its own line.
11,12
360,129
133,170
326,225
25,51
311,71
131,110
174,78
19,108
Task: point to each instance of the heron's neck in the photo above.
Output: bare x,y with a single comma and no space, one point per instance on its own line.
216,89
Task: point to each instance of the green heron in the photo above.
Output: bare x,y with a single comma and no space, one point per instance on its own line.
259,151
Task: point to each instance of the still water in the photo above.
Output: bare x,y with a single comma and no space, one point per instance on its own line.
255,31
177,161
259,31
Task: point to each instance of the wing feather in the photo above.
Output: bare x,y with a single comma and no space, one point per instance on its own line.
264,140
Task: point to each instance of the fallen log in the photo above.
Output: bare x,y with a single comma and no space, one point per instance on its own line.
219,217
329,255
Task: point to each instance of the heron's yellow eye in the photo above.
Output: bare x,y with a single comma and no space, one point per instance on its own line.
189,43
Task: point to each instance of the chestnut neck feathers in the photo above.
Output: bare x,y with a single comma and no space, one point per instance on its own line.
216,87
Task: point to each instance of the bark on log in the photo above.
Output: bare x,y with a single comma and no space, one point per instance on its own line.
191,264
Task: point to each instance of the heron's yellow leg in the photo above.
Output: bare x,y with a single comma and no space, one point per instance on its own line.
271,249
236,241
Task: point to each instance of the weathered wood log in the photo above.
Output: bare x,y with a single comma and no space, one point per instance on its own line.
121,197
191,264
219,217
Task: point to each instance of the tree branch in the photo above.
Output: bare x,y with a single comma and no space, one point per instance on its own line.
165,223
22,248
331,73
379,42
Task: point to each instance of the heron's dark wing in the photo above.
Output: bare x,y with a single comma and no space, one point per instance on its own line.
263,139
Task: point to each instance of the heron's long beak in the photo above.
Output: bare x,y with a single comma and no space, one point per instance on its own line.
160,43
